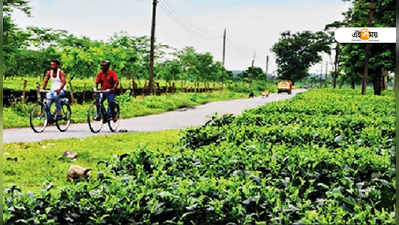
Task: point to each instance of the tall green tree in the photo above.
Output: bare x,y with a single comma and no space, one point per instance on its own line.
14,38
296,53
382,56
199,66
254,73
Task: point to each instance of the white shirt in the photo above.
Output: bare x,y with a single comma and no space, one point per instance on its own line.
56,81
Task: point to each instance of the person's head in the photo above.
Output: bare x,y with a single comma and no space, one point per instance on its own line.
105,65
54,64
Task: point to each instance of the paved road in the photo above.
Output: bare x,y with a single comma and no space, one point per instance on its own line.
170,120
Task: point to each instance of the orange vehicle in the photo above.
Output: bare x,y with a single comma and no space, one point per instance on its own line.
284,86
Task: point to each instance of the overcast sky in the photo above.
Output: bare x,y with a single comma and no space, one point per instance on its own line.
253,26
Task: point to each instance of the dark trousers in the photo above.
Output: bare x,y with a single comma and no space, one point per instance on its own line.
111,104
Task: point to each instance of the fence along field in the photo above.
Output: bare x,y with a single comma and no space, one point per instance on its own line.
134,102
18,89
324,157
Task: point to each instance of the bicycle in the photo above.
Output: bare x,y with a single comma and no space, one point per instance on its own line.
92,114
40,111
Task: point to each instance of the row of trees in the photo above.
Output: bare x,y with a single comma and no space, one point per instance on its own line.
296,53
352,57
28,52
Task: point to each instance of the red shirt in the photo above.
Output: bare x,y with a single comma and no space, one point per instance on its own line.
107,80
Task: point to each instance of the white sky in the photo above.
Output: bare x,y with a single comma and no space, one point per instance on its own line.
253,26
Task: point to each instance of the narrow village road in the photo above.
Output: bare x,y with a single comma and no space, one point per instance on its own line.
178,119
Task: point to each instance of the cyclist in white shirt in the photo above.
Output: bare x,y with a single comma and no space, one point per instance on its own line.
57,91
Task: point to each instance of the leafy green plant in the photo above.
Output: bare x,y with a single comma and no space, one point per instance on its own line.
318,158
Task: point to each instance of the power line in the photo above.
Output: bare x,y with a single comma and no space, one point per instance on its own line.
187,28
192,26
194,30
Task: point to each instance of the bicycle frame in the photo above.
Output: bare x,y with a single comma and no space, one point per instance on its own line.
98,112
100,103
45,100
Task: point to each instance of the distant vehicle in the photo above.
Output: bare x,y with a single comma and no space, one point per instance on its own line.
284,86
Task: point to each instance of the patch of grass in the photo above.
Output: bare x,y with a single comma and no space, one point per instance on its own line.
18,115
41,162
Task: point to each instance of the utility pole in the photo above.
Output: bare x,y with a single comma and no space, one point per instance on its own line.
326,77
336,65
267,65
154,12
321,73
366,60
224,46
253,60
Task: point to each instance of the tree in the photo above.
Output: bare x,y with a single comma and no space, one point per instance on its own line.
13,37
254,73
170,70
199,66
382,56
296,53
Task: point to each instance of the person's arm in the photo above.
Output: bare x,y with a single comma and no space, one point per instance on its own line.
97,82
46,80
115,77
63,82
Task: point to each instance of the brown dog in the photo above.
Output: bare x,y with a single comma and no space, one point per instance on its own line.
77,173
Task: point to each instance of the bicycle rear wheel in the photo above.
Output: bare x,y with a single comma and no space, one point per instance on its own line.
113,123
65,120
38,118
94,125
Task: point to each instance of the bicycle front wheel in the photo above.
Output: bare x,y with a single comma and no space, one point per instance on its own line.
113,123
65,120
38,118
94,119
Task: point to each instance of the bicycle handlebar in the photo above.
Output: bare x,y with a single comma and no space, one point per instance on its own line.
106,91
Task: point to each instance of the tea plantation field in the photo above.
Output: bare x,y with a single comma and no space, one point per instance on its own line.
323,157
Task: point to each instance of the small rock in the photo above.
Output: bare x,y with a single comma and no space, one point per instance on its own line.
77,173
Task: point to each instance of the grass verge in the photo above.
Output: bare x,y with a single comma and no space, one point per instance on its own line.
42,162
18,115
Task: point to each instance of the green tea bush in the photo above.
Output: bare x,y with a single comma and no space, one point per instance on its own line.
324,157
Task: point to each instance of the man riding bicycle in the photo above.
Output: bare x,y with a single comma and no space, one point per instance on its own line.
109,82
57,91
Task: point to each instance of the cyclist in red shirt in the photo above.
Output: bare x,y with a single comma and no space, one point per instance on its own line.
109,82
